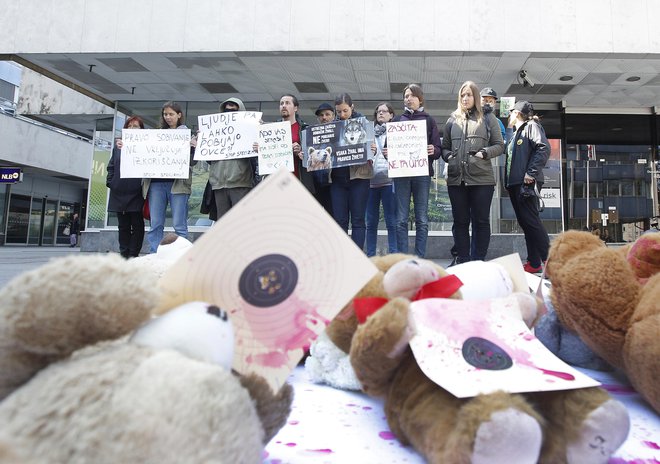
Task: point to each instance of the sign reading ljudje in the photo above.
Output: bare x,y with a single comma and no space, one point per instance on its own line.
228,135
155,153
406,149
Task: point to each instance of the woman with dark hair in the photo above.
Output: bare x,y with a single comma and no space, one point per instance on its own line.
161,192
350,184
526,155
126,199
381,186
468,146
417,187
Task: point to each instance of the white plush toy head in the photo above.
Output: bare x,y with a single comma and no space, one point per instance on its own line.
407,276
198,330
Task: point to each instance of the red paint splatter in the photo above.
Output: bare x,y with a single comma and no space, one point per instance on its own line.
294,422
528,337
387,435
652,445
291,445
367,408
561,375
322,450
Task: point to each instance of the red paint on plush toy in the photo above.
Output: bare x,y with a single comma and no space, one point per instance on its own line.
618,389
291,445
387,435
321,450
651,445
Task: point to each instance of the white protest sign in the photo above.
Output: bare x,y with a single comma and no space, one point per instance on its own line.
227,135
406,149
155,153
275,147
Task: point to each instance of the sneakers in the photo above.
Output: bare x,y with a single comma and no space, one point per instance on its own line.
527,267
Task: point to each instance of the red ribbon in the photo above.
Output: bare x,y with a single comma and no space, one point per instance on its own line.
444,287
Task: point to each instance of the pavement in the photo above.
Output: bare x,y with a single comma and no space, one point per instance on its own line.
16,260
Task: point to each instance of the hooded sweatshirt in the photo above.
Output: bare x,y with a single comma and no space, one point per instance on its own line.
233,173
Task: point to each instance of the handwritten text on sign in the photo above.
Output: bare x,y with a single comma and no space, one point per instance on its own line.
406,149
155,153
275,147
227,135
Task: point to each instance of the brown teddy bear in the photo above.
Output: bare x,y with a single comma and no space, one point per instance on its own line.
74,388
576,426
611,298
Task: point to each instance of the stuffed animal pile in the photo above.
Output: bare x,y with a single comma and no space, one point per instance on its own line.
574,426
610,297
74,388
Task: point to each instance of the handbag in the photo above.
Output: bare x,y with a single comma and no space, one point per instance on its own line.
145,210
66,230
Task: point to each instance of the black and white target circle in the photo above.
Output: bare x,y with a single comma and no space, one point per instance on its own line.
268,280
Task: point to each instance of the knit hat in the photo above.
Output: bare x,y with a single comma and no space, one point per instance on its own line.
323,107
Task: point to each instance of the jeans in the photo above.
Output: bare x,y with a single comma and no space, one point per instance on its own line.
471,203
131,233
376,195
349,199
527,214
418,188
159,196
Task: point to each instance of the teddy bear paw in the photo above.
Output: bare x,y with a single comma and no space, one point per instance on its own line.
499,439
603,431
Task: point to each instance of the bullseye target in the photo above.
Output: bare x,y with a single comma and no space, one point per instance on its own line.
268,280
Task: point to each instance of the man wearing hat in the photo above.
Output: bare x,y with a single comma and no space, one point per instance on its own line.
324,113
488,102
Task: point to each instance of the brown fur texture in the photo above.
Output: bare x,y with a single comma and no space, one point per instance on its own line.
76,391
598,294
441,427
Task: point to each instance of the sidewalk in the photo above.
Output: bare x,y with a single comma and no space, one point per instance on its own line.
15,260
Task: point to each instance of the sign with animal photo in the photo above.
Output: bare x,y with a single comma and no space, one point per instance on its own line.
227,135
407,155
155,153
477,347
337,144
275,147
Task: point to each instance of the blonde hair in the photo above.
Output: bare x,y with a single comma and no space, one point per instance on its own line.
460,114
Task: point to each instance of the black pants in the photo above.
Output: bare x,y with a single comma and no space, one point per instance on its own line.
527,214
131,233
471,205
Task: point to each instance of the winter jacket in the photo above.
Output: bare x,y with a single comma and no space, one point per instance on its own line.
179,186
527,153
231,173
432,133
462,140
125,194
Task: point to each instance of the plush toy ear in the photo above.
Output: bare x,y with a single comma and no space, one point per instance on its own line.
644,256
50,312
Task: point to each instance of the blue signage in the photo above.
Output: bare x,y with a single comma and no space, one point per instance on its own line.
10,175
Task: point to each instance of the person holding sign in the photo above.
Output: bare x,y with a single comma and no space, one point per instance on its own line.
468,146
381,186
126,199
160,192
526,155
416,187
231,179
350,184
324,113
289,112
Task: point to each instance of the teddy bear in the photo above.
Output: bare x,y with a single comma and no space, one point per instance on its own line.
87,374
610,297
574,426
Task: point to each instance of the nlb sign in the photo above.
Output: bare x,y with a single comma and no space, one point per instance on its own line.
10,175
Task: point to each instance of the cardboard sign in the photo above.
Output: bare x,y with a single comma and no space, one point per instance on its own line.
280,266
275,147
337,143
228,135
474,347
155,153
407,154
